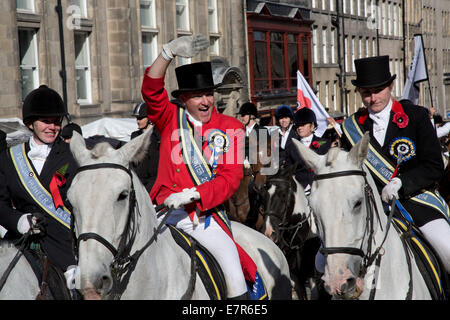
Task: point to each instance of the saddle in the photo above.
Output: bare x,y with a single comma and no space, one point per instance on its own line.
427,260
209,270
51,279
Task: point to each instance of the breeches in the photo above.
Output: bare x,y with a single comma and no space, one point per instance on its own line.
221,246
437,233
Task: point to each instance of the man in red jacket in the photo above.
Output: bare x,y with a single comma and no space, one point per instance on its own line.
201,156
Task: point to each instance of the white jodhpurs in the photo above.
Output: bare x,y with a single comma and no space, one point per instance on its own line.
437,233
221,246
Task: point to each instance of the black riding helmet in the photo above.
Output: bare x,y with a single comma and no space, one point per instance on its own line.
248,108
140,110
304,116
42,102
284,111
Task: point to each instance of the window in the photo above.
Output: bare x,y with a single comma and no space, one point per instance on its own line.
332,45
213,27
324,45
26,5
148,32
344,6
149,48
274,71
327,94
360,48
81,4
334,97
314,44
353,53
28,61
82,67
148,18
212,13
346,53
182,9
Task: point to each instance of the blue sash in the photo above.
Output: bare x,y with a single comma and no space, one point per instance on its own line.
196,164
33,186
383,170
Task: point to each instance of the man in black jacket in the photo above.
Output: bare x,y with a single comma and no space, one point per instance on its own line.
404,156
147,169
35,177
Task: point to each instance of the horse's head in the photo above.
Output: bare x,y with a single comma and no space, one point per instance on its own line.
285,209
102,196
338,203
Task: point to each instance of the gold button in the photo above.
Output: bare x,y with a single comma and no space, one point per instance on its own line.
177,170
174,185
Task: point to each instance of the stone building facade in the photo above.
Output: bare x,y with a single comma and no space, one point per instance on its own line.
99,64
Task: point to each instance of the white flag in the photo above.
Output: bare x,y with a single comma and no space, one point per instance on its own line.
307,98
417,71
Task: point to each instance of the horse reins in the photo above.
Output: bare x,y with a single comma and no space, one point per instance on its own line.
123,262
368,258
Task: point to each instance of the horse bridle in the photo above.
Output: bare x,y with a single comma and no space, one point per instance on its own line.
123,262
284,226
367,257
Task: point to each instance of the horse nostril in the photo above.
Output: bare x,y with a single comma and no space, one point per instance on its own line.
349,284
106,283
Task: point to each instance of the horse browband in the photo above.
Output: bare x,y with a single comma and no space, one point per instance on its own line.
104,166
339,174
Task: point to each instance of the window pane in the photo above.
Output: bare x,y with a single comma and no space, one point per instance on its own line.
293,59
81,84
149,48
276,36
258,35
182,8
28,61
28,83
81,58
148,13
212,12
260,60
81,4
25,5
305,57
277,59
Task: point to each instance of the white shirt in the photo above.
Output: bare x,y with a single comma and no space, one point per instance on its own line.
38,154
284,136
443,130
381,122
307,140
249,129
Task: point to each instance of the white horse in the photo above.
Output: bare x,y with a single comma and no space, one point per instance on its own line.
355,232
21,283
101,197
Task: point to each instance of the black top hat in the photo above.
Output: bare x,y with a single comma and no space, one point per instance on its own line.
372,72
303,116
194,77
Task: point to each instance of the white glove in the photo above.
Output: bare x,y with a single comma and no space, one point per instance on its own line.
179,199
391,190
25,222
72,277
186,46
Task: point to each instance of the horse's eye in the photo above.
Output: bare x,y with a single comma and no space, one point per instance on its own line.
357,204
123,195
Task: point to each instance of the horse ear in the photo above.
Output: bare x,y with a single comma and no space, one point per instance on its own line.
312,159
136,149
78,147
359,151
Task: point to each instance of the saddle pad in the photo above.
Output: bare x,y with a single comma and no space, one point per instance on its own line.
56,282
207,267
210,271
426,259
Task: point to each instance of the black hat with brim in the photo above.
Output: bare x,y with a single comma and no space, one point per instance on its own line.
194,77
42,102
372,72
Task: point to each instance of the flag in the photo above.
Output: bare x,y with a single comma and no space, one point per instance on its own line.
307,99
417,71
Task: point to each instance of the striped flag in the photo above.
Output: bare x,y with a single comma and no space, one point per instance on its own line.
417,71
307,99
